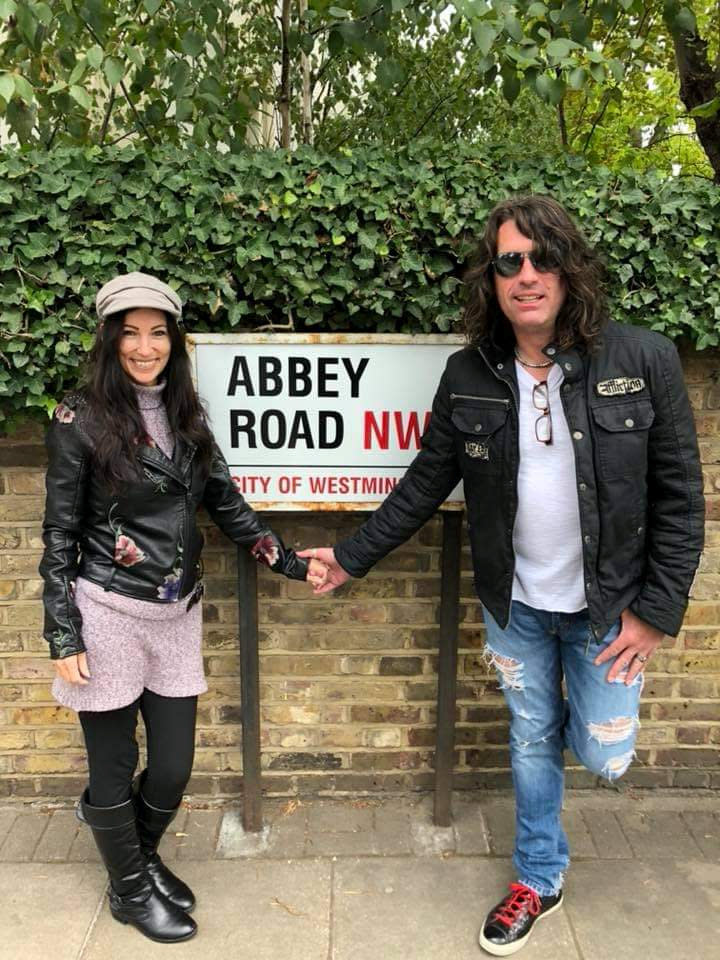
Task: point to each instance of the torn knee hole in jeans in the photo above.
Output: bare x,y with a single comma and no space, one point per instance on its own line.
613,731
511,671
616,766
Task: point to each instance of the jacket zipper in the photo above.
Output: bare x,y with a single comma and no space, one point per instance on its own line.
469,396
517,410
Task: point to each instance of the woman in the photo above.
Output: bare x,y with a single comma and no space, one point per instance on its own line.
131,458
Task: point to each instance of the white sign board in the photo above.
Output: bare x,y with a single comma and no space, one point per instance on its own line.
319,422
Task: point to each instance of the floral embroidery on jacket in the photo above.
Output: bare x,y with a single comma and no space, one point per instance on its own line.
64,414
266,550
127,552
169,589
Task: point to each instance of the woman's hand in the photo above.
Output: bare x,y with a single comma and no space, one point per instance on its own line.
335,576
317,573
73,669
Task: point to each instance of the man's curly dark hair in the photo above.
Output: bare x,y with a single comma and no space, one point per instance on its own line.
541,219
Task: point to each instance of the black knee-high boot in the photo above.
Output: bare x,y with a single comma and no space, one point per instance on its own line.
133,897
152,822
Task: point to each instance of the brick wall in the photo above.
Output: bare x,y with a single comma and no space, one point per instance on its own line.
347,684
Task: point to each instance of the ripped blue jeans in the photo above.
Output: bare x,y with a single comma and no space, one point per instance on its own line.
598,722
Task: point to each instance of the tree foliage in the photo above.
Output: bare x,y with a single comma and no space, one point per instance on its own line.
601,77
369,239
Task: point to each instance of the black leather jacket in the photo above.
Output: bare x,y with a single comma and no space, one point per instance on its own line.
638,475
144,543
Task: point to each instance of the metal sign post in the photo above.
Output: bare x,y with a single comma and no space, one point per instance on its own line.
326,422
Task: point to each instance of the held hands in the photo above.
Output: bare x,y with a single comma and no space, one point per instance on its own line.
317,571
632,647
335,575
73,669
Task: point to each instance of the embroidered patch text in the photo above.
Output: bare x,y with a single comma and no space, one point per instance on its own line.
620,385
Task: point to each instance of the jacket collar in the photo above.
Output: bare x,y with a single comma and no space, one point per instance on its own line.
179,467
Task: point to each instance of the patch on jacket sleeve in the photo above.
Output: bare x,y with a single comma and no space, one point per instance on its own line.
476,449
619,385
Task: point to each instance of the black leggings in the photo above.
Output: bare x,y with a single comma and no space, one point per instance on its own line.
113,751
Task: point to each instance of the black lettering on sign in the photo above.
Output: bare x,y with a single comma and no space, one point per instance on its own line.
242,422
240,377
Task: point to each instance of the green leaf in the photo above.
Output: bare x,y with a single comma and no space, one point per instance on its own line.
335,43
390,73
23,89
7,87
707,109
536,10
559,48
513,28
192,43
510,86
617,69
134,55
7,9
152,6
577,79
95,56
684,21
183,110
484,35
338,239
43,12
339,13
114,70
80,96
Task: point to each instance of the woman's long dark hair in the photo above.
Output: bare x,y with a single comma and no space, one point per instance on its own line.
113,420
541,219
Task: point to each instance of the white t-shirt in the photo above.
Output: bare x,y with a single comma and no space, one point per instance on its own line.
547,539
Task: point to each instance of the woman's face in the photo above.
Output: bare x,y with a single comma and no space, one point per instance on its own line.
144,345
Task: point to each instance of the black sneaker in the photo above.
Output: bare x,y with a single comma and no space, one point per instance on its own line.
508,926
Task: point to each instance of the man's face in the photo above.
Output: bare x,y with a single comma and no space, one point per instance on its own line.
531,300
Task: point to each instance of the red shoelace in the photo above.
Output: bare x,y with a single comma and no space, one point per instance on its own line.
519,899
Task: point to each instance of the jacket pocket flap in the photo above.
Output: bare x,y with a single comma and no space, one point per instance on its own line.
480,421
621,417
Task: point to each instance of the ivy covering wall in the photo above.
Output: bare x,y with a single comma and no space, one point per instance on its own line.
363,240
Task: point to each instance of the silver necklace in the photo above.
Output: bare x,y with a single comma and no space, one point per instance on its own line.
527,363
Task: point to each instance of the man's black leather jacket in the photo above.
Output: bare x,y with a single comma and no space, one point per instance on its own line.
143,543
639,481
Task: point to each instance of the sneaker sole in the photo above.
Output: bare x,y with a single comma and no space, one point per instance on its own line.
497,950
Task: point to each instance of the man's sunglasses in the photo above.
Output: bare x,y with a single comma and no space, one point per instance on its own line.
510,264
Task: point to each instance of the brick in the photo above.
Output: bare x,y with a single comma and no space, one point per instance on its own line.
27,669
15,740
304,761
42,716
382,713
401,666
13,509
10,539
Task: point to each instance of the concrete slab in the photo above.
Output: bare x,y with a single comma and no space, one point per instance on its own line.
202,828
340,816
500,820
579,839
261,909
55,843
392,827
23,836
471,831
398,908
235,841
47,909
634,909
8,815
705,828
660,834
83,849
607,835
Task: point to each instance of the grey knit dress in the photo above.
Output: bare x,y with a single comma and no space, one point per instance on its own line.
134,644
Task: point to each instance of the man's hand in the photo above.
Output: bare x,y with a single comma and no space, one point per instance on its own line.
632,647
336,576
73,669
317,573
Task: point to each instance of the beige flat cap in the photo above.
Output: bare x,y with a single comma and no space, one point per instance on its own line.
131,291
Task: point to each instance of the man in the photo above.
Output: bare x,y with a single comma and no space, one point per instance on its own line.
576,444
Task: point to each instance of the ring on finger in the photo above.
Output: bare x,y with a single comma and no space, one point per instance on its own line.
641,657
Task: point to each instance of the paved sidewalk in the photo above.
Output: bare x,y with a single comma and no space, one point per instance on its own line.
372,879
